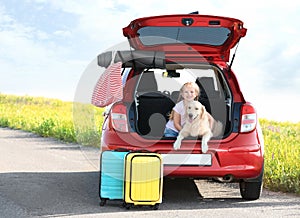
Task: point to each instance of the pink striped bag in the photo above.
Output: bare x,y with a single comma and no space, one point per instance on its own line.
109,87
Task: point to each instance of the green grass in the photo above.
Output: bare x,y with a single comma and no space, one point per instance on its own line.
282,156
81,123
67,121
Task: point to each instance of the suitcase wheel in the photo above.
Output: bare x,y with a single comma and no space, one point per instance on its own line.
102,202
155,206
127,206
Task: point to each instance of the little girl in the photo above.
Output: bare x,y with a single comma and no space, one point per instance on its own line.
188,92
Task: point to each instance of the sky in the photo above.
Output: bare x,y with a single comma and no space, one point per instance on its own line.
46,45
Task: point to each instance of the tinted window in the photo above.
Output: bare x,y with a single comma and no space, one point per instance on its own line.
153,79
195,35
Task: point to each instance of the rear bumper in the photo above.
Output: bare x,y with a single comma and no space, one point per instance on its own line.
240,165
239,155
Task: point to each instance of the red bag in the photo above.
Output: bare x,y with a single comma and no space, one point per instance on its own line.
109,87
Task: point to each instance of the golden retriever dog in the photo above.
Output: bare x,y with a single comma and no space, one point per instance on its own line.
198,123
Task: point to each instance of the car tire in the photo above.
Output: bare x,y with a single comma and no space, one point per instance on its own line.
251,189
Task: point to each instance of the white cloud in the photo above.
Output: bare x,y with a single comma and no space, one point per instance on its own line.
30,64
266,63
62,33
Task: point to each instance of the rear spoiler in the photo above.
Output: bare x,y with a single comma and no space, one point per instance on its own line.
134,58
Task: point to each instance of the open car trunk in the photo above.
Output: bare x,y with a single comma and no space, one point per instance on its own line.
190,43
157,92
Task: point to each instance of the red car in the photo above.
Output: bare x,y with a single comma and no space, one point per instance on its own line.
167,51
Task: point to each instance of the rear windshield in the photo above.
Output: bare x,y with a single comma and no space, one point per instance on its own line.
214,36
209,80
186,75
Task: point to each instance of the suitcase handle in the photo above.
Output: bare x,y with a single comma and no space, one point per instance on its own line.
142,151
122,149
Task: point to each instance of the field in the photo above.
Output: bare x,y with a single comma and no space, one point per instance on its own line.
81,123
65,121
282,156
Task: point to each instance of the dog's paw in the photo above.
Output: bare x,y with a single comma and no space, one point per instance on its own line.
176,145
204,147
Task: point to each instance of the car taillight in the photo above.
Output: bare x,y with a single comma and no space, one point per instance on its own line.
119,117
248,118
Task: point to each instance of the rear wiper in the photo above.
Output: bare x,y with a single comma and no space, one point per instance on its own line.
178,30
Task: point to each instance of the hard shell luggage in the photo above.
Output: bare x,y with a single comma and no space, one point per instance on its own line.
111,182
143,181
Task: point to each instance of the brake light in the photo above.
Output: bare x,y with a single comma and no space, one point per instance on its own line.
248,118
119,117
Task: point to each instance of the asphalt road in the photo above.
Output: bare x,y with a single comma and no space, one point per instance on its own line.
42,177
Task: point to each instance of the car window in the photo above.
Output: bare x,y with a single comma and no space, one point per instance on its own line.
186,75
215,36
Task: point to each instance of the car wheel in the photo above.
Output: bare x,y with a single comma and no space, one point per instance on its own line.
251,189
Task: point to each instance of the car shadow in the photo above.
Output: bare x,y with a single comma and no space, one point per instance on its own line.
76,193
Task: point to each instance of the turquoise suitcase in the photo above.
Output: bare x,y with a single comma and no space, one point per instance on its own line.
111,176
